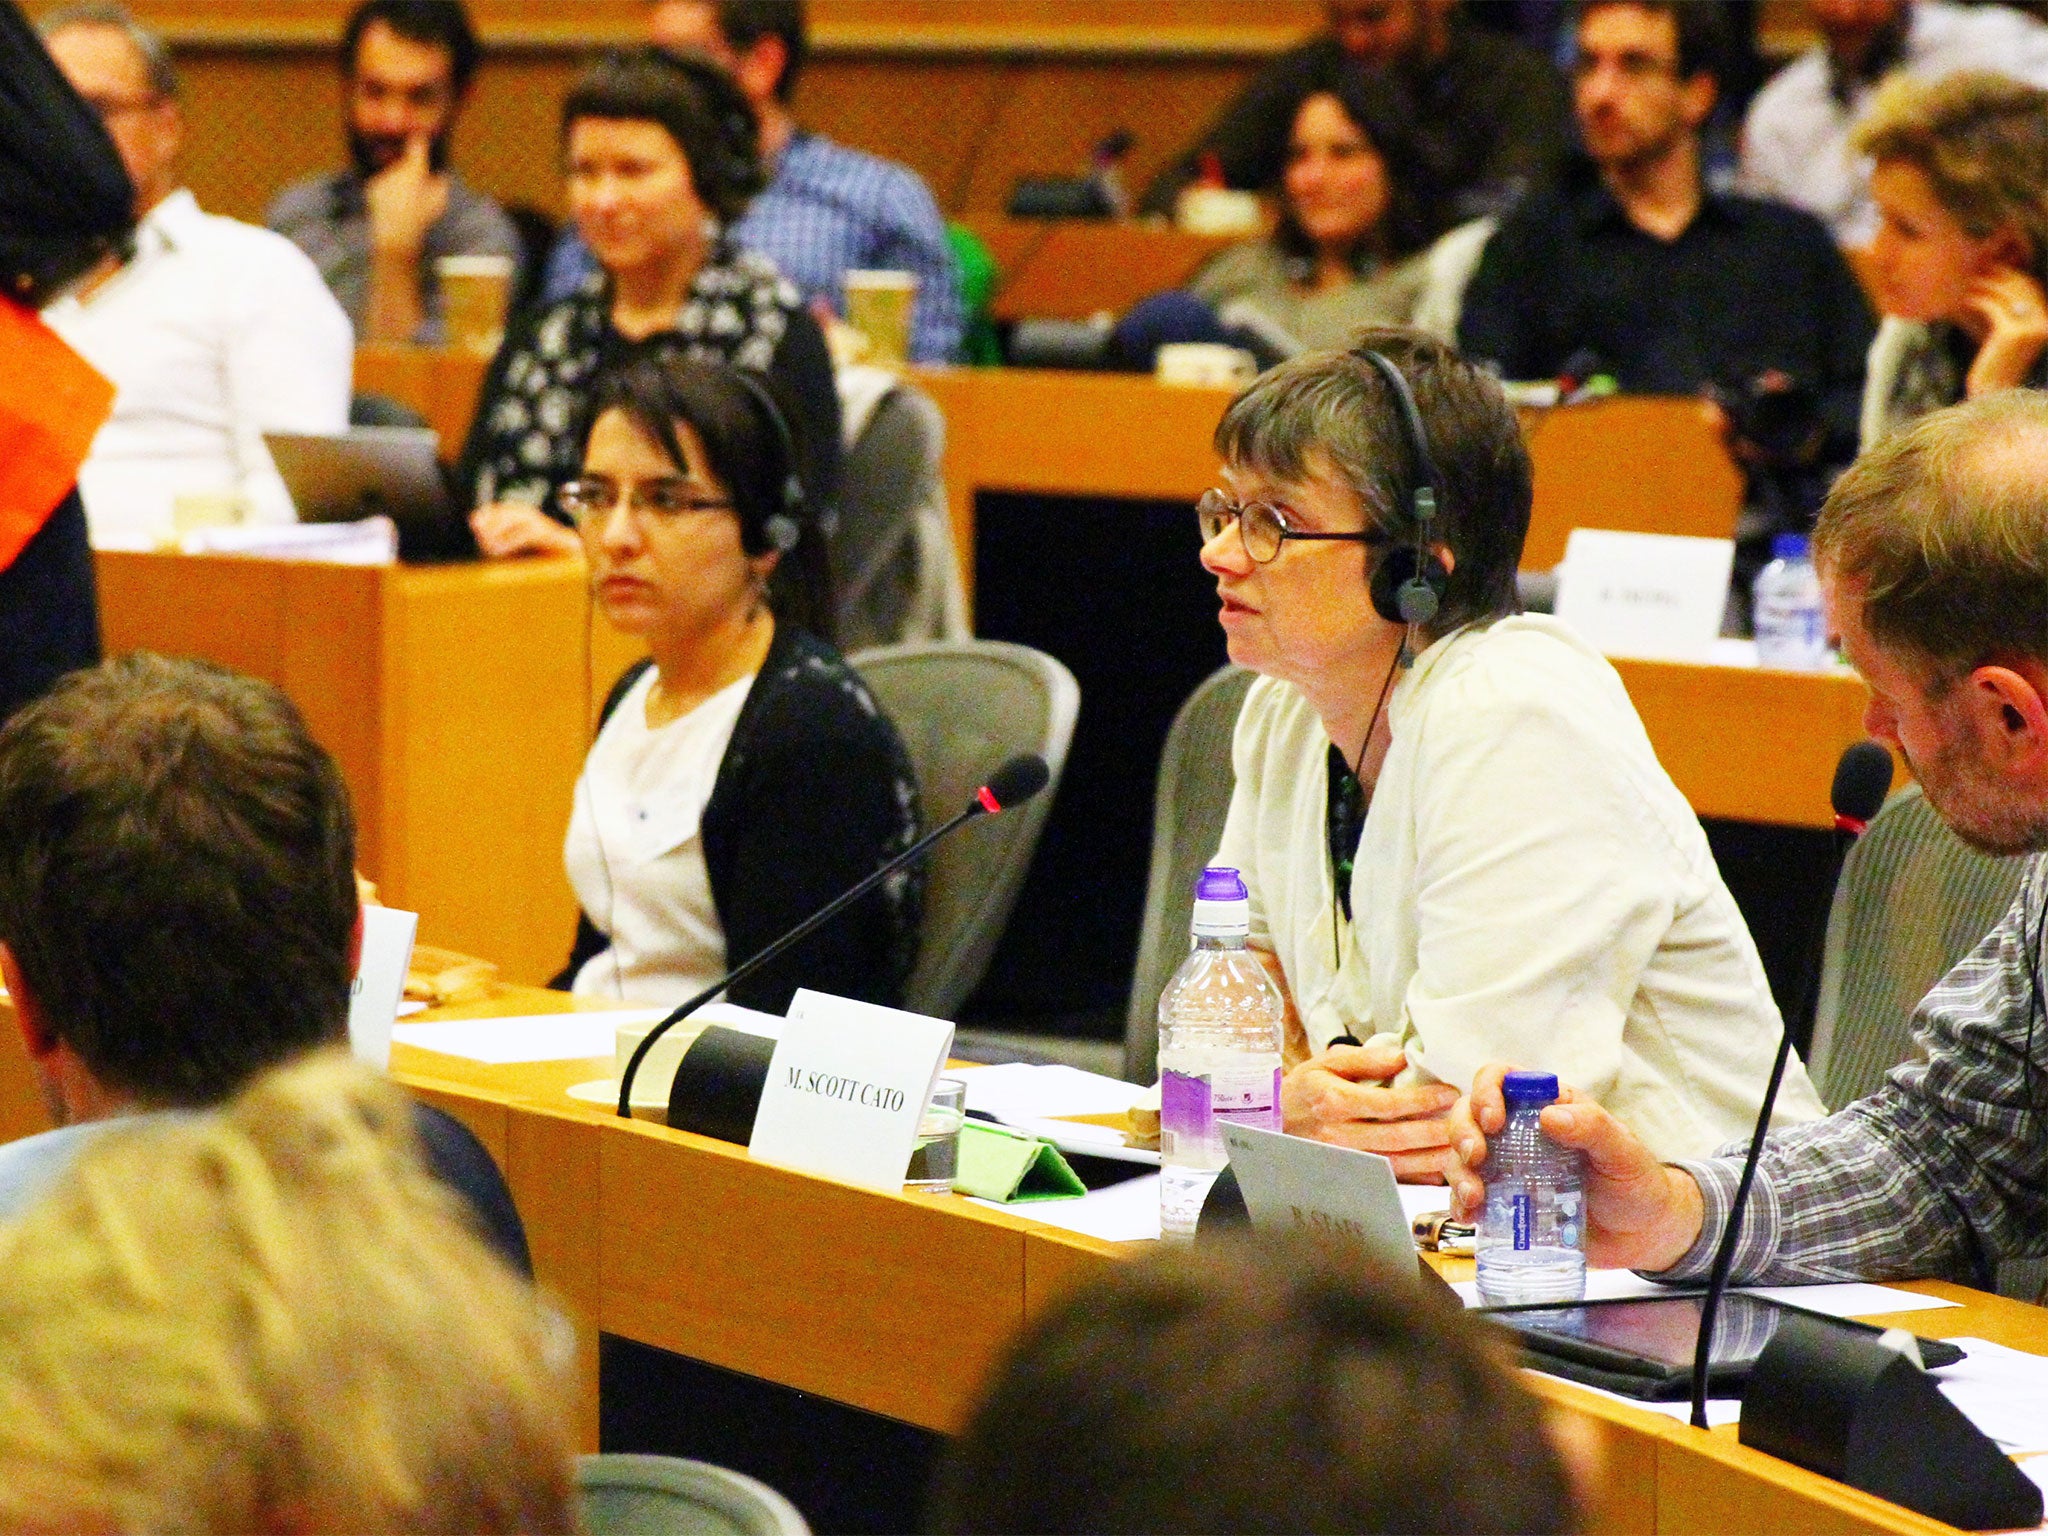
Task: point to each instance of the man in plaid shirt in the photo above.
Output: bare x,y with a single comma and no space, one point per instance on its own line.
1933,551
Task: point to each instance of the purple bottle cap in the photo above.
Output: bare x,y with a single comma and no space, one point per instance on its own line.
1219,882
1529,1088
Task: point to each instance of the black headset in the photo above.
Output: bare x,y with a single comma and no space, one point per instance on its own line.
1409,581
785,524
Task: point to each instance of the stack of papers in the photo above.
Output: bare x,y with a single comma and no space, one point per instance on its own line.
526,1037
1036,1099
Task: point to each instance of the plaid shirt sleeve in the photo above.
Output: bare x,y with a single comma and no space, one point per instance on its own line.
1943,1171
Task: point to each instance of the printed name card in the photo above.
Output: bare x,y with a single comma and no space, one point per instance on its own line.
1645,594
847,1087
380,983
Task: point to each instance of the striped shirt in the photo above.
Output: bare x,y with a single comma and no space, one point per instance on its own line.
1943,1171
832,210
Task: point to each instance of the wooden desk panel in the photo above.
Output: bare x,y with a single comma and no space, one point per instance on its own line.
1746,743
1070,269
441,383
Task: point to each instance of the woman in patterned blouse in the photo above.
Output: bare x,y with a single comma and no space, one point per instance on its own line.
662,158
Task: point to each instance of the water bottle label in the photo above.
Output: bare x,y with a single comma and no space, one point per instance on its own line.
1248,1098
1524,1216
1191,1103
1185,1121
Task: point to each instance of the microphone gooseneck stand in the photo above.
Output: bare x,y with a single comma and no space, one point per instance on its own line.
1862,778
1012,784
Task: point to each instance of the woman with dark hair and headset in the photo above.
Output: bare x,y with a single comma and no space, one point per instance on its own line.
1459,843
661,155
743,776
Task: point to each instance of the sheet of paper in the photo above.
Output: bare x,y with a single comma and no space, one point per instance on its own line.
1847,1299
1018,1092
525,1037
1123,1213
2004,1392
1720,1410
411,1006
1424,1199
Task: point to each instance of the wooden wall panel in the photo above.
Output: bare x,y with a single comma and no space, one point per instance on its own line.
969,93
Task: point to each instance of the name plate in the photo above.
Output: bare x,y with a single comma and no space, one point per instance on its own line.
847,1086
1645,594
1290,1182
380,983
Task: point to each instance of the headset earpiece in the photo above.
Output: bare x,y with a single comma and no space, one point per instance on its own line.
784,526
1409,581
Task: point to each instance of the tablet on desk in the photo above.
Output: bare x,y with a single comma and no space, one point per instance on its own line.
392,472
1643,1347
1289,1181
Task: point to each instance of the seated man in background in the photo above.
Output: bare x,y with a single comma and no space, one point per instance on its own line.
1796,140
376,229
213,332
1454,830
1930,558
827,210
1671,286
178,909
280,1323
1484,118
1255,1384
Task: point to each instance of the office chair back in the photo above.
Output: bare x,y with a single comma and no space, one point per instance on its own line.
1912,901
669,1496
963,707
1195,781
895,573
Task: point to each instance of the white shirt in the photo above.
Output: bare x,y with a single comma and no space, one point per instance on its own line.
635,851
215,333
1530,887
1795,142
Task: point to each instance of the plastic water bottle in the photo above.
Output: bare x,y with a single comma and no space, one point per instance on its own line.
1221,1020
1791,630
1532,1237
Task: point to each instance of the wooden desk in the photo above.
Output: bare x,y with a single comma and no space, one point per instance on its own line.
900,1304
441,383
457,700
1070,269
1639,463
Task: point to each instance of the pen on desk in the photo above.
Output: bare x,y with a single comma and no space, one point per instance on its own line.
1435,1232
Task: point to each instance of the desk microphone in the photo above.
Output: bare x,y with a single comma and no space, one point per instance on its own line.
1862,778
1012,784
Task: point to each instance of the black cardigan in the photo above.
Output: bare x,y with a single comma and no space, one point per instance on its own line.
814,792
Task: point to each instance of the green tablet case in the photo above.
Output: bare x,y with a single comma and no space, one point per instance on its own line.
998,1163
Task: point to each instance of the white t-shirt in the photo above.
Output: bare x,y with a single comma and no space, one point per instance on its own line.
1795,141
215,333
1530,887
635,850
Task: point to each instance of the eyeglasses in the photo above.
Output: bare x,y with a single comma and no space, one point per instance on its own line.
664,499
1263,526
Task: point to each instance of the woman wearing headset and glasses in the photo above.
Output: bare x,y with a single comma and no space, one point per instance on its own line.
1459,844
743,776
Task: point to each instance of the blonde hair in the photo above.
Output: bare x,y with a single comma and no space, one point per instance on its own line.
1980,139
273,1317
1945,526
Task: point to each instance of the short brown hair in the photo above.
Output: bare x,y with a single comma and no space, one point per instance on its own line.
1947,532
177,875
1980,139
1255,1384
274,1318
1337,405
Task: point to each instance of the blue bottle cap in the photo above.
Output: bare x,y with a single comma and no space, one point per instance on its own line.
1791,546
1219,882
1529,1088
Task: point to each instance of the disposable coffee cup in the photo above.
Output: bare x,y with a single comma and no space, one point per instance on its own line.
1204,363
476,292
878,305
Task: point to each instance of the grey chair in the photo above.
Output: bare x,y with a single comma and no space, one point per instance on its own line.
668,1496
964,707
895,574
1912,901
1195,781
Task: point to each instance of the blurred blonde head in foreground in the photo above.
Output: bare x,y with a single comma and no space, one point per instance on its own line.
273,1318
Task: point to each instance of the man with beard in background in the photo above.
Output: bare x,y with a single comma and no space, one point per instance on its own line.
376,229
